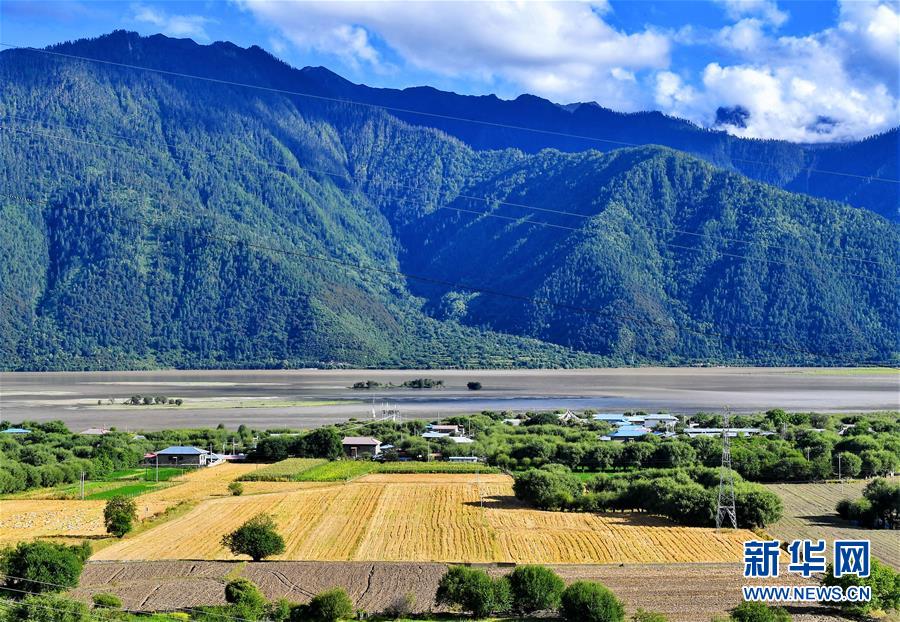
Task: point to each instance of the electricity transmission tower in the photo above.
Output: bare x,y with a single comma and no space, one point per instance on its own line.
725,506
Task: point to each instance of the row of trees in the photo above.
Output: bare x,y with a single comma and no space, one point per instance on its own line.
793,452
51,454
687,496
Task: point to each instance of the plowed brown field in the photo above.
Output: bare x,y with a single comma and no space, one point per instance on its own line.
684,592
809,513
426,518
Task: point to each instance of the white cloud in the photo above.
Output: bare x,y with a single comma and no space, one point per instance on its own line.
564,51
837,84
172,25
766,10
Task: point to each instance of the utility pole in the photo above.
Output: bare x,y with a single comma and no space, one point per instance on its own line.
840,478
82,485
726,503
157,468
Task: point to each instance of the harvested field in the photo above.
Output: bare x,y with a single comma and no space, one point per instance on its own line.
684,592
23,519
198,485
418,517
809,513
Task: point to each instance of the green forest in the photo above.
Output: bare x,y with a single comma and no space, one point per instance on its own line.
154,221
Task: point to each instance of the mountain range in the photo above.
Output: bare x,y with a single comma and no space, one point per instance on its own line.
151,218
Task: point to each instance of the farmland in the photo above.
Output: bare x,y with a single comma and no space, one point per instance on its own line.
809,513
24,519
684,592
420,517
284,471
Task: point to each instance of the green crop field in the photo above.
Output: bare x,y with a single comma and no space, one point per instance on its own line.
128,490
285,471
338,471
433,467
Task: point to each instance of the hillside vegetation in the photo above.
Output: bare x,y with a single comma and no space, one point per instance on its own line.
150,220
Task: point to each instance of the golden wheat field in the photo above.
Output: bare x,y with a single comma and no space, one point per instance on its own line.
25,519
426,518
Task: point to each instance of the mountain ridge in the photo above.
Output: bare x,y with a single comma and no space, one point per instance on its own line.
848,172
210,176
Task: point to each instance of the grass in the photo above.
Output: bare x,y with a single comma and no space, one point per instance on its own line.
285,471
165,473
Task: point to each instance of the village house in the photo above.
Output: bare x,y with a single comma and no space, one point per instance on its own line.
449,429
360,446
180,456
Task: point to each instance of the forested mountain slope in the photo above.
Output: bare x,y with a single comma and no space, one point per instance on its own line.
150,219
861,168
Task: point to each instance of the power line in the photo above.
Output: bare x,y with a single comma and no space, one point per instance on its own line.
396,184
478,212
599,311
408,110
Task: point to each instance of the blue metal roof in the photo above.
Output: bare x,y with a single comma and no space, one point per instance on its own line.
630,431
181,451
16,431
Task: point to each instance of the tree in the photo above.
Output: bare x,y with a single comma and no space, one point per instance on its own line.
587,601
330,606
547,490
257,538
885,499
42,566
885,584
749,611
544,418
756,506
473,386
248,602
236,488
535,588
473,590
850,464
322,443
119,514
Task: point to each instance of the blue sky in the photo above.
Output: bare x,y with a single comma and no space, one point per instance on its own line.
798,70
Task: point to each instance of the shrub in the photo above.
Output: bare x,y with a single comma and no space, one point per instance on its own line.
48,608
249,603
586,601
473,590
257,538
330,606
402,605
648,616
535,588
107,601
42,566
885,584
759,612
119,514
236,488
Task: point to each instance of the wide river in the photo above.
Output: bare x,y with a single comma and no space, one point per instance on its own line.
307,398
